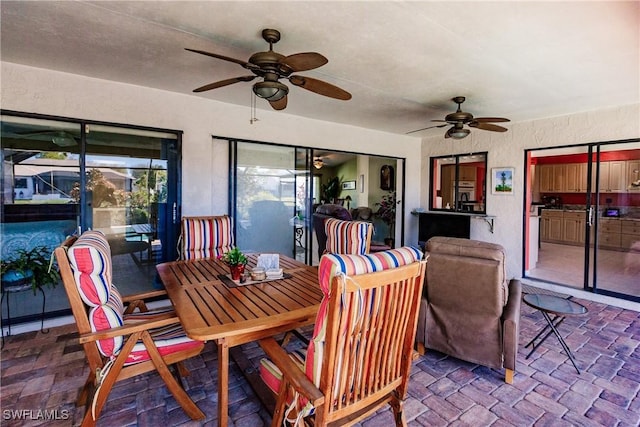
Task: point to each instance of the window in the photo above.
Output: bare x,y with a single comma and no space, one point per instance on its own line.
459,183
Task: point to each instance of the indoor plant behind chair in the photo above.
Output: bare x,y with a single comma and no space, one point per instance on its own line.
28,268
387,213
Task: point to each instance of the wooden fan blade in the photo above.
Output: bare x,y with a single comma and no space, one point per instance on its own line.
226,82
490,119
280,104
430,127
487,126
320,87
304,61
245,64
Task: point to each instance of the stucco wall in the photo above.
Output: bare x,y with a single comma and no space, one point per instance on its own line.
204,187
205,162
507,149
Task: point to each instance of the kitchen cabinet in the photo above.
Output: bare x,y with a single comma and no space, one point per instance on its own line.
575,178
467,173
609,233
573,224
629,233
552,178
568,227
613,176
633,175
446,185
552,222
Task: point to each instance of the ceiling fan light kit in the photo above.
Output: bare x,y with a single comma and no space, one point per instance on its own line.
457,133
271,91
318,163
272,66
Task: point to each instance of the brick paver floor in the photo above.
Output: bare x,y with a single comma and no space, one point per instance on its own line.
41,375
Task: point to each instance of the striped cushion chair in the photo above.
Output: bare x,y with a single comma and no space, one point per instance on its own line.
120,336
348,237
205,236
360,355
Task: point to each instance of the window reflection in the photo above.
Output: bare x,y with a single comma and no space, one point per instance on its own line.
459,183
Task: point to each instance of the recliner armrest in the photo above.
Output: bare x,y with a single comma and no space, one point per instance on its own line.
511,324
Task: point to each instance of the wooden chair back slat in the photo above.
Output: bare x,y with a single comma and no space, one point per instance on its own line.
371,326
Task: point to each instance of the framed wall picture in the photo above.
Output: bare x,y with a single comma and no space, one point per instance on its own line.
349,185
387,178
502,180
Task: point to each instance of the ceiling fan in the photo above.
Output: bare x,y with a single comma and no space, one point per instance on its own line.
318,163
271,67
461,118
59,137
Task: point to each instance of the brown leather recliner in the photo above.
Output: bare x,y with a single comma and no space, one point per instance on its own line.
469,310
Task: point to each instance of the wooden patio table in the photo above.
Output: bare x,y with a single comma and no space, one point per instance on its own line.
212,309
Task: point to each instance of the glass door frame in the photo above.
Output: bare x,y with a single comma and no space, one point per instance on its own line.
172,152
592,218
400,185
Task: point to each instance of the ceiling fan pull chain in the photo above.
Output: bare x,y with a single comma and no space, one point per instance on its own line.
253,117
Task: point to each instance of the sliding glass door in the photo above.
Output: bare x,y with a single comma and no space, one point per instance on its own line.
130,189
275,189
60,177
615,250
582,225
271,190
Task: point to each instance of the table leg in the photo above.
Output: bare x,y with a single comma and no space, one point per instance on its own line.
545,329
223,382
561,340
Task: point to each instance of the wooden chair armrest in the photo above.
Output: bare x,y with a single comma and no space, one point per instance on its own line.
129,329
144,295
294,375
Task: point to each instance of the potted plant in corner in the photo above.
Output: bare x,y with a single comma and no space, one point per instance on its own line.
236,261
387,213
28,268
331,190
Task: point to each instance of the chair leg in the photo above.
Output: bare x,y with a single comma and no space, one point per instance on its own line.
421,348
102,390
189,407
86,390
508,376
281,402
397,406
182,370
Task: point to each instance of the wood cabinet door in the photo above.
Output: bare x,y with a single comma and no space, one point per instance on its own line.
558,178
617,176
545,173
573,230
551,229
573,176
467,173
633,173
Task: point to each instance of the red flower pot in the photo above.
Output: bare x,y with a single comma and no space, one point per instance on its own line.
236,271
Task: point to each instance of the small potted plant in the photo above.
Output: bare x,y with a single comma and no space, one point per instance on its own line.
387,213
28,268
236,261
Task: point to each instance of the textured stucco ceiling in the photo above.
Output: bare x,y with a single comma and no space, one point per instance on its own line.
402,61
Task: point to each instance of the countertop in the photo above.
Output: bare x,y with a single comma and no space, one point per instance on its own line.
626,217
